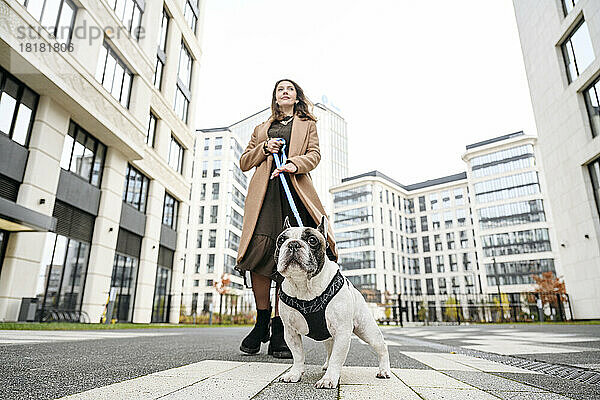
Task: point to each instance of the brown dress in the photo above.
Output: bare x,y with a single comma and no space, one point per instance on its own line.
259,257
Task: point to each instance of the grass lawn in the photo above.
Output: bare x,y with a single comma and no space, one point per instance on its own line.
68,326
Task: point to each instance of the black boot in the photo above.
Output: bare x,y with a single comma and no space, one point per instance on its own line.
277,346
258,334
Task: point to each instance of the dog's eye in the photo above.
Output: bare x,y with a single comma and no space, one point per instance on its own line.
313,241
280,240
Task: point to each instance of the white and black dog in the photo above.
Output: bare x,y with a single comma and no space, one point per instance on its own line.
319,302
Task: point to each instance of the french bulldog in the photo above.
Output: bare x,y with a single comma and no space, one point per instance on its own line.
317,301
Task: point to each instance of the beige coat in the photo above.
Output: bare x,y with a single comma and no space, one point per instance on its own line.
304,152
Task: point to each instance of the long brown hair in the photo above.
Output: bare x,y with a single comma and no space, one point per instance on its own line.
302,109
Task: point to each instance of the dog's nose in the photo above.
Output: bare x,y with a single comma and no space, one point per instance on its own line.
294,245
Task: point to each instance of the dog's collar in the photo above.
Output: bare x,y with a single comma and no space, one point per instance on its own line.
318,303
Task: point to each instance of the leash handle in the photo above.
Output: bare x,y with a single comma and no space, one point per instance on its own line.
279,162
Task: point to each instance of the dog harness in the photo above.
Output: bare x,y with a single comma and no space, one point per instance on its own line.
313,310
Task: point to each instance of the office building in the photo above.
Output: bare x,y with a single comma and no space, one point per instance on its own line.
95,161
429,240
560,40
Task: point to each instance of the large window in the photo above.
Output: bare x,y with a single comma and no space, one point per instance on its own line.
191,13
56,16
215,191
507,187
114,75
162,285
161,55
236,219
361,194
357,238
522,212
136,189
17,108
238,175
594,168
233,241
238,197
517,272
170,209
129,12
528,241
83,154
355,216
175,160
3,241
577,51
183,95
357,260
123,281
501,156
64,267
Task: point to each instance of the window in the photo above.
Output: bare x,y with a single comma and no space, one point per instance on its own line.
238,197
216,168
433,200
592,97
56,16
214,211
438,242
170,209
445,199
448,219
439,260
199,239
17,108
435,220
218,146
175,160
507,187
594,168
450,240
83,154
210,266
427,263
528,241
421,203
568,5
453,262
114,75
233,241
356,238
151,132
215,191
124,277
461,217
198,263
183,96
459,200
442,285
212,238
191,13
357,260
129,12
161,56
204,169
424,225
136,189
201,215
236,219
202,195
360,194
425,244
429,284
577,51
518,272
522,212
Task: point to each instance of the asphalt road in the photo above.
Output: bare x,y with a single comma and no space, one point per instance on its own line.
55,368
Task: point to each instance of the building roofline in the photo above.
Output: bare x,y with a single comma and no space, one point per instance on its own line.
207,130
414,186
250,116
493,140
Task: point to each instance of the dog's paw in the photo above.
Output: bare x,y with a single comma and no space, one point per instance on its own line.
326,383
384,374
325,366
291,376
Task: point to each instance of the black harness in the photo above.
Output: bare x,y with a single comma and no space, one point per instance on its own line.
313,310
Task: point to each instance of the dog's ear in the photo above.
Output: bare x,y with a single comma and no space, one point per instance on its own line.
286,223
323,227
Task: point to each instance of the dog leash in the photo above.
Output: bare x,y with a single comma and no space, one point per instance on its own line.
279,162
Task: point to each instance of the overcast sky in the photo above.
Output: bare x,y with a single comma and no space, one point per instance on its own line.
415,80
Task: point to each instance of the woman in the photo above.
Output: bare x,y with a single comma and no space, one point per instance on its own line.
267,205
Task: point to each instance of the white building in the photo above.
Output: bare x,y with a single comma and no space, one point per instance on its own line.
560,40
433,239
95,157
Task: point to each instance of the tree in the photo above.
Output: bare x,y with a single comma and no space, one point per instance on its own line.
548,285
451,312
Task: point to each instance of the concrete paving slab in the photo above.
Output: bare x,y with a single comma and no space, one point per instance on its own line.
453,394
435,361
428,378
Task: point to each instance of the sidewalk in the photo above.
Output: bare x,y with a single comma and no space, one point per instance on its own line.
451,376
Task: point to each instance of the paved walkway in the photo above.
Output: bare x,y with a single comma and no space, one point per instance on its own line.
453,376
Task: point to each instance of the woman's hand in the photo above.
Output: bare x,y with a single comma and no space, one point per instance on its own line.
289,167
273,146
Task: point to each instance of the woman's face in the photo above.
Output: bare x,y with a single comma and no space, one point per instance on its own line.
285,94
